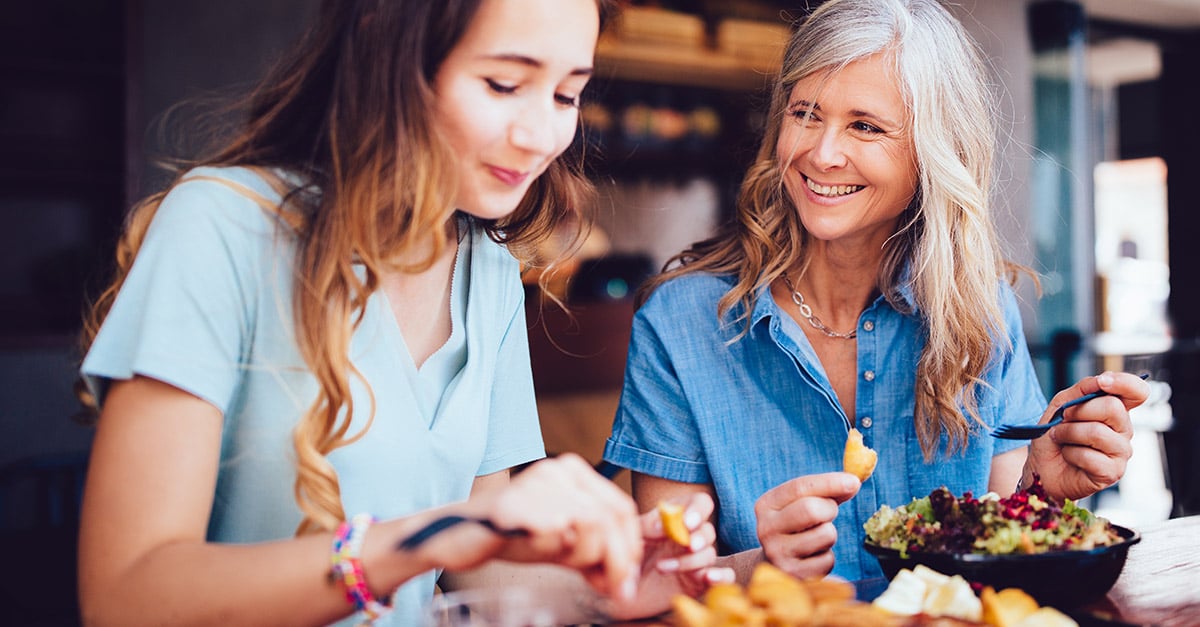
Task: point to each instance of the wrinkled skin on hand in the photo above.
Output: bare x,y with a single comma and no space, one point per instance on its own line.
1090,449
795,521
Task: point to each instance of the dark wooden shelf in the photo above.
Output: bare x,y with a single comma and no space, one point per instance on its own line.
686,66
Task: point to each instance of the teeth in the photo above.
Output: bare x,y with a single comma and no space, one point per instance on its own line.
832,190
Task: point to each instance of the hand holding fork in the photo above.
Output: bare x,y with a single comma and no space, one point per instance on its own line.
1090,450
1032,432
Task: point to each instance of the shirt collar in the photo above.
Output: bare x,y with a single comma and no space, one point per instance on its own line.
766,307
904,291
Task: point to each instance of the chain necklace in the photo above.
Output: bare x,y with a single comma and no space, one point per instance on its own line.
812,319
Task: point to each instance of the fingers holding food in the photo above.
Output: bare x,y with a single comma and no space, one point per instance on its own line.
795,521
576,519
833,487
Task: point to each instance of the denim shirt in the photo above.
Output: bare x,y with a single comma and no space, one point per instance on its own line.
745,415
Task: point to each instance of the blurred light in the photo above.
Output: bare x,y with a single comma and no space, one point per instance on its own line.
616,288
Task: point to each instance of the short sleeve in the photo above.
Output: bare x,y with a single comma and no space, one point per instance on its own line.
183,313
654,432
1022,399
514,433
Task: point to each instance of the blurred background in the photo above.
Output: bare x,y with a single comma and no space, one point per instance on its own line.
1099,99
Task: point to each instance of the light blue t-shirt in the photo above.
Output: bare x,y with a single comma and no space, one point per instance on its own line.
207,307
749,415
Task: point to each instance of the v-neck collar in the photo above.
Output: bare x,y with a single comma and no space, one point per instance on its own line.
431,384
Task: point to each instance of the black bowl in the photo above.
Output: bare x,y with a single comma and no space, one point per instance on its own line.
1063,579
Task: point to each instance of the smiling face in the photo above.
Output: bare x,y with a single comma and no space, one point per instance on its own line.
848,159
508,96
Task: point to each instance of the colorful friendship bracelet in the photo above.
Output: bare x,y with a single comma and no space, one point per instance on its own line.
347,545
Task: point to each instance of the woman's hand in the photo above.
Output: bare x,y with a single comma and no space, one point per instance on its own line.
579,519
574,518
795,521
1089,450
668,568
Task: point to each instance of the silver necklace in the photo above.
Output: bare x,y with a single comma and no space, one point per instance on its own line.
812,319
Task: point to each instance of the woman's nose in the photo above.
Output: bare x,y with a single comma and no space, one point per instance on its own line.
533,130
828,151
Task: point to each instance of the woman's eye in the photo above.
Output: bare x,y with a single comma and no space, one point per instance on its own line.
805,114
499,87
567,101
866,128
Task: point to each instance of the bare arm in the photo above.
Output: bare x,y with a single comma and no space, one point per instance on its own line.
144,558
1006,471
143,555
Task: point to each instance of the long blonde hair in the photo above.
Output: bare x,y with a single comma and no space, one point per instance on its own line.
349,112
946,239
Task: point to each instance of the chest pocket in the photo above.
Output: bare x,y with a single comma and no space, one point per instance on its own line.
965,469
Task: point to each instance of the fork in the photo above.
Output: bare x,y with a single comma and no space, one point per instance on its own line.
1032,432
445,522
609,471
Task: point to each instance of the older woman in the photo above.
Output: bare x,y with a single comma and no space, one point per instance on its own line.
861,286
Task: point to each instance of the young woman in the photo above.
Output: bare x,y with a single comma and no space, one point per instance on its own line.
861,286
322,326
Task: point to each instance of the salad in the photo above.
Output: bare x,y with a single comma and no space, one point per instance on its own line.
1029,521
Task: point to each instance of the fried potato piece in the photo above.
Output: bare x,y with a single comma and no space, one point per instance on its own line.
786,598
1007,607
689,612
830,591
728,601
851,614
858,459
788,611
1047,617
773,598
768,582
672,522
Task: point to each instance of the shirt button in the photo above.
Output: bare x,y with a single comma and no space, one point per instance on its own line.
869,375
868,326
866,422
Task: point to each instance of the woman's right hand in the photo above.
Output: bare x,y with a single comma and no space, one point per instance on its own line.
795,521
575,518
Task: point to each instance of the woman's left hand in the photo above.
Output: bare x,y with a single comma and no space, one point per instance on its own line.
668,568
1089,450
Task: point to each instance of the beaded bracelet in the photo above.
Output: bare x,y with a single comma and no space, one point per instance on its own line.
347,545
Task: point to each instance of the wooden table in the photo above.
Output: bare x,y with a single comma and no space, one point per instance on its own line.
1160,584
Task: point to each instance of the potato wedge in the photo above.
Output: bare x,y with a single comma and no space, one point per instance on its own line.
689,612
673,525
1007,607
773,598
858,459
